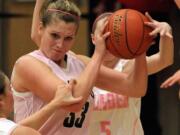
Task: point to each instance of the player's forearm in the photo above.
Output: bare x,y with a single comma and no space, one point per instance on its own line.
138,78
36,120
35,22
166,51
86,80
163,58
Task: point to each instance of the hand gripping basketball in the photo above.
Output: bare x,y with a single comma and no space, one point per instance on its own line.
129,35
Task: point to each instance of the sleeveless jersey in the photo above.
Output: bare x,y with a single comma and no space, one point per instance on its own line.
6,126
115,114
61,122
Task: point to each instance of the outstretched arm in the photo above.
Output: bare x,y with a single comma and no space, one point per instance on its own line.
175,78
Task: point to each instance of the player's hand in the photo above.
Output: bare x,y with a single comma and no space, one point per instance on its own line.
162,28
100,36
64,97
171,80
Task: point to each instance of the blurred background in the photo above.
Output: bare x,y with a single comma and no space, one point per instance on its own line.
160,112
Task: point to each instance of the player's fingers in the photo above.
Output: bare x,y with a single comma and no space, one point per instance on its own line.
76,100
154,32
106,35
172,82
72,81
169,35
166,83
150,24
162,32
149,17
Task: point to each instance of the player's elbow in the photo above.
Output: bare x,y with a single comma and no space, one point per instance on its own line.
167,62
141,90
141,93
35,38
171,61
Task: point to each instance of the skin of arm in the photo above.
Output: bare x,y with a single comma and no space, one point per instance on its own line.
122,83
35,22
132,84
83,87
177,3
22,130
164,57
63,97
43,83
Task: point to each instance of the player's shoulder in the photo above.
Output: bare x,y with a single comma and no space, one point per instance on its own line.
26,62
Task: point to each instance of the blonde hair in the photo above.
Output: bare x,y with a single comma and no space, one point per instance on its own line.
106,14
65,10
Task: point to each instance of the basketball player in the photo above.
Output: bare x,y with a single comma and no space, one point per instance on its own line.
30,125
120,114
36,75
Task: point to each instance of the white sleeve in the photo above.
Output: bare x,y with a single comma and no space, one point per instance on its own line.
7,126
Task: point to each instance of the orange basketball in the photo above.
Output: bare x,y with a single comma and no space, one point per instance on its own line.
129,36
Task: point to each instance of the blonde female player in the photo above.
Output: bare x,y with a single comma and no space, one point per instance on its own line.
30,125
119,114
37,74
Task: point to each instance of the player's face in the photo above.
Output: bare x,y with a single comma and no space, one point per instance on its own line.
57,38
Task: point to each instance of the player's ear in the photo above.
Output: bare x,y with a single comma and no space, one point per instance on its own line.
40,28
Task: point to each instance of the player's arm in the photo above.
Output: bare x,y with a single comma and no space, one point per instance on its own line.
164,57
63,97
133,83
43,82
40,80
22,130
36,21
177,3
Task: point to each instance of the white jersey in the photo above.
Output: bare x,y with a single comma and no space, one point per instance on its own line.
61,122
6,126
115,114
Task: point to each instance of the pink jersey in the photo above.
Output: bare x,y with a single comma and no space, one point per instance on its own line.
61,122
115,114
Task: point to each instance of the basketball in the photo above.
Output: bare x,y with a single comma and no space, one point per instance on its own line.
129,36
